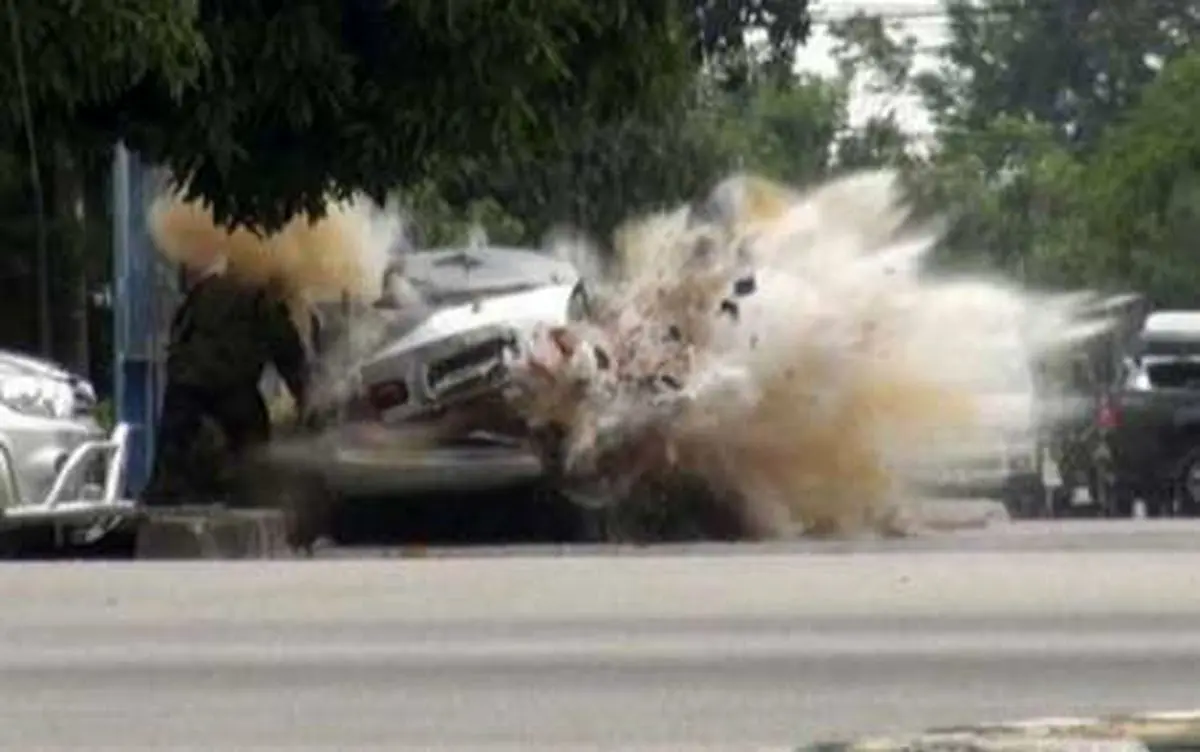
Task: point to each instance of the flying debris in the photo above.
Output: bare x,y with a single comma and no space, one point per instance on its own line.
790,352
784,360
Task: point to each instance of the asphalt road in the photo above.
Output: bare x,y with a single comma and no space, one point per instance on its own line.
724,646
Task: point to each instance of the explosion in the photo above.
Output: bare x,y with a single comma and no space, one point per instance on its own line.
789,350
313,264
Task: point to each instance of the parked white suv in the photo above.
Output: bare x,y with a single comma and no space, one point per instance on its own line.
1005,458
45,414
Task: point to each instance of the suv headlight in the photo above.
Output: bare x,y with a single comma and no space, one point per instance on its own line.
38,397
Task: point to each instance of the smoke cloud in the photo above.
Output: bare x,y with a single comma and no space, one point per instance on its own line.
791,350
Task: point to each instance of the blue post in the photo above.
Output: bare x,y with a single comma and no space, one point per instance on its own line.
145,290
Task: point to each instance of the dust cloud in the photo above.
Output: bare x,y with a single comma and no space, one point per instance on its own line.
791,350
328,269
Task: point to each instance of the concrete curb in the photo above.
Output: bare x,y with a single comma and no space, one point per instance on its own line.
1138,732
960,514
212,533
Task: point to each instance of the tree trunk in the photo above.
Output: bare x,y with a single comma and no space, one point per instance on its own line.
70,223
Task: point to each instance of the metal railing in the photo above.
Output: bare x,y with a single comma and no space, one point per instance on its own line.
67,497
10,494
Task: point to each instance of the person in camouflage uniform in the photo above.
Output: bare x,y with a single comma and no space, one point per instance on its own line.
222,337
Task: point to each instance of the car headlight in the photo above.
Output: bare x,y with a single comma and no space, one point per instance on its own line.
37,397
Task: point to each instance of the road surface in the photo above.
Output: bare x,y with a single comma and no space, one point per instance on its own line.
730,647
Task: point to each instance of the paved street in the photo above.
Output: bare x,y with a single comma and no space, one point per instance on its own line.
739,646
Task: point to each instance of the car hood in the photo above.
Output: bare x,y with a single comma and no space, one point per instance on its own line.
16,364
464,288
516,311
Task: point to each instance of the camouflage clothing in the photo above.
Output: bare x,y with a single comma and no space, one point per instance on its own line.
222,338
224,335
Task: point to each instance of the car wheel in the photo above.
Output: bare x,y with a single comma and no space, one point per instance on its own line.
1120,502
1188,483
308,507
1025,497
1060,503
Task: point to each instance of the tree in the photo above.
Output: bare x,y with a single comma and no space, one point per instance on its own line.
785,130
875,57
985,179
1074,64
439,223
1068,146
67,58
609,168
737,37
1143,188
265,109
304,101
611,171
605,173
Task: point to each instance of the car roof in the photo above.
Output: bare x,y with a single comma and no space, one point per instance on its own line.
464,269
1173,324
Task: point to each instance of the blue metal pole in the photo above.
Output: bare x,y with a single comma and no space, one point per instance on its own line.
136,312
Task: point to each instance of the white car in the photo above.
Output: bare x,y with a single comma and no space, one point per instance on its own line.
1005,458
443,353
58,466
45,413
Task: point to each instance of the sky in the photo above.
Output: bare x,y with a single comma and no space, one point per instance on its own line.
816,56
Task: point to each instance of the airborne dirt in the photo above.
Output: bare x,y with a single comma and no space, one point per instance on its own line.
790,350
785,356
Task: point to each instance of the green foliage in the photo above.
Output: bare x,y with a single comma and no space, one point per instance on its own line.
786,132
1067,148
306,100
1141,192
877,57
106,414
1150,158
725,32
1040,170
441,224
866,44
1063,156
77,56
1072,64
605,173
612,171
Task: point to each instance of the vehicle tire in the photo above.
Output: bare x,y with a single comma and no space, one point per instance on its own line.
1060,503
27,543
671,510
1122,508
1187,484
308,507
1025,497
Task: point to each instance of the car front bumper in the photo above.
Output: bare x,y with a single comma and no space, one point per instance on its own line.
380,460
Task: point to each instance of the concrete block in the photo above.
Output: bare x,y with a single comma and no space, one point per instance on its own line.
961,514
212,533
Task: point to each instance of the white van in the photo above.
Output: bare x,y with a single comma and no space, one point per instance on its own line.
1003,458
